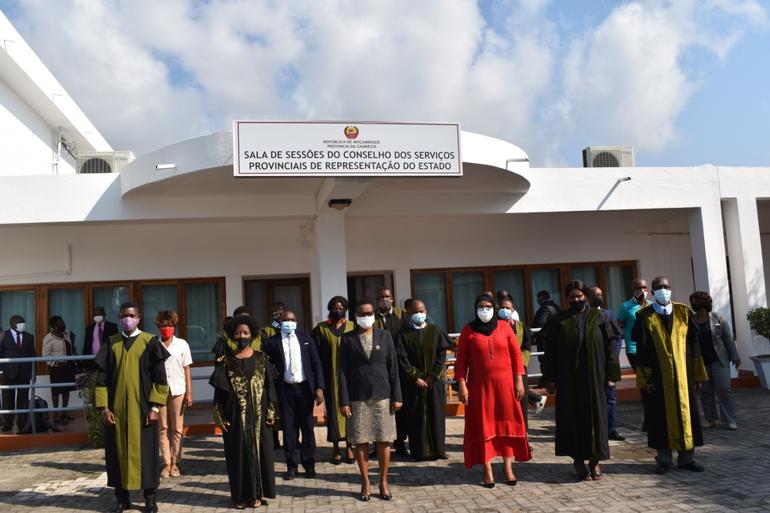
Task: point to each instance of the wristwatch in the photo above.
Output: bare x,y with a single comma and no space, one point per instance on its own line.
155,409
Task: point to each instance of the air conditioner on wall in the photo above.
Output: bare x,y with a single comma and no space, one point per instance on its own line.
608,156
102,161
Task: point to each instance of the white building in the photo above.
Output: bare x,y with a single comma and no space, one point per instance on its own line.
196,239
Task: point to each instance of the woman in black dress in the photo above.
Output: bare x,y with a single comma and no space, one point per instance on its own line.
244,409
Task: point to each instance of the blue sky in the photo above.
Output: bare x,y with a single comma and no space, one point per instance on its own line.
684,82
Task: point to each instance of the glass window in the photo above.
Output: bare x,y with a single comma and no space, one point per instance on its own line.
617,279
154,299
587,274
18,302
430,288
256,300
513,282
70,305
291,296
545,279
202,302
110,298
466,286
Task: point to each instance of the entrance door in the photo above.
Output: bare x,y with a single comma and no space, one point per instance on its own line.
262,294
364,286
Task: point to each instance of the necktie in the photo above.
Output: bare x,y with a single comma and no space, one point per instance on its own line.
18,340
96,343
294,363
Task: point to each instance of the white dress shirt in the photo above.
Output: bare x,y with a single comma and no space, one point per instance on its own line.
663,309
292,356
179,358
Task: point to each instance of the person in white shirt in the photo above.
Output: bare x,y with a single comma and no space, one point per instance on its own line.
180,392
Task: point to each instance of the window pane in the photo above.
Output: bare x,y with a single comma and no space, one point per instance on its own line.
70,305
203,318
19,302
110,298
513,282
154,299
431,290
256,300
545,279
587,274
618,284
466,286
291,296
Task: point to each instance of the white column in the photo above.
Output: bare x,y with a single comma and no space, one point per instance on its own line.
331,270
402,283
744,247
708,254
233,293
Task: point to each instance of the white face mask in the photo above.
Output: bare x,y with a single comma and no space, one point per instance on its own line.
418,318
515,315
365,322
98,319
662,296
21,327
485,314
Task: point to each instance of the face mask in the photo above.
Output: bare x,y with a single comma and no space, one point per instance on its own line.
21,327
166,332
98,319
485,314
639,294
336,315
577,306
288,326
385,304
515,315
365,322
129,324
242,342
418,318
595,302
505,313
662,296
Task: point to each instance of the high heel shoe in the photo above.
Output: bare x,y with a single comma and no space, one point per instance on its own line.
488,485
511,482
365,497
385,496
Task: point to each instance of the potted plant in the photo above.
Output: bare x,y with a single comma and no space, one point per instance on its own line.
759,320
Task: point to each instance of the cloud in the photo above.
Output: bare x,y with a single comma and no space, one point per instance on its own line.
150,73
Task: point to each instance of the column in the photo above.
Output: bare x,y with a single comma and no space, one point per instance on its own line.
707,244
402,283
233,293
331,270
744,247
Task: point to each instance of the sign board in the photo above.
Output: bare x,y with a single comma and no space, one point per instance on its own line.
331,148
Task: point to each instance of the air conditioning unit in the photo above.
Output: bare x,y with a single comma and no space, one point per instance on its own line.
608,156
90,162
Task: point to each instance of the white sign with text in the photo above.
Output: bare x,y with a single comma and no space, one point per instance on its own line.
331,148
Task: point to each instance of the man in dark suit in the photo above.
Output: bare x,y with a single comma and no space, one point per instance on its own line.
300,382
97,333
16,343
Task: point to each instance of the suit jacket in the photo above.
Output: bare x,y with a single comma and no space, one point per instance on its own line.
311,362
363,378
110,329
9,349
722,338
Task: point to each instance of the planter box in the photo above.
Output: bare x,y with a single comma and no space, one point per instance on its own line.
762,365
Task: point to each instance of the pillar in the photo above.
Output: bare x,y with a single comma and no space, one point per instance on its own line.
331,270
707,245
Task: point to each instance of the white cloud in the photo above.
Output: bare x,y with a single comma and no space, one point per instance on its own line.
149,73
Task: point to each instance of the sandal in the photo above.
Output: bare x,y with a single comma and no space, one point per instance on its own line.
582,472
596,472
337,459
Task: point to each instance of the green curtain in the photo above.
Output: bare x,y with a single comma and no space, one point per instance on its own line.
70,305
110,298
154,299
545,279
18,302
430,288
202,301
513,282
466,286
618,284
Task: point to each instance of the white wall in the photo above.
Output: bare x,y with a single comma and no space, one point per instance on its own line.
29,142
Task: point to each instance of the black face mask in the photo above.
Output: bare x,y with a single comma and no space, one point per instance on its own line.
242,342
577,306
595,302
336,315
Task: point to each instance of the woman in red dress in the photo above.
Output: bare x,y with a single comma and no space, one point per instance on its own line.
490,382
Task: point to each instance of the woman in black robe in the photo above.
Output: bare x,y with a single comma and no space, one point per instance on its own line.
244,409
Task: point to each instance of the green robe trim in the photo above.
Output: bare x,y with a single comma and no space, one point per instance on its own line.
672,359
519,331
334,344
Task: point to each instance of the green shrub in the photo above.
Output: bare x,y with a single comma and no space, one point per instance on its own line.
759,320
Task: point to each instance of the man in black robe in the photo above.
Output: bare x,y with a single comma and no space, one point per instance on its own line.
130,389
421,357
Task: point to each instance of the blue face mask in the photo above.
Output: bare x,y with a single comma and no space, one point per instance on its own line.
662,296
505,313
288,327
418,318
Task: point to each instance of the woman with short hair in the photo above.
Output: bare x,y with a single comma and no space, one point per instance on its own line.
59,342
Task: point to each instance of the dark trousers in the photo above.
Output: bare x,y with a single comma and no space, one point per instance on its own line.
15,399
643,393
296,418
150,495
612,399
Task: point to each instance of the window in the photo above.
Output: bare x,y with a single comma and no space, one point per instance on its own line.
154,299
365,286
19,302
203,318
262,294
449,293
70,305
110,298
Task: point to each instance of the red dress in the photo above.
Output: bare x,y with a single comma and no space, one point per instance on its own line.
494,422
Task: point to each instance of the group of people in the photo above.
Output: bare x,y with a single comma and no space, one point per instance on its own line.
382,378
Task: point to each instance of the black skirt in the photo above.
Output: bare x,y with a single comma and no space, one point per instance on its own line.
62,374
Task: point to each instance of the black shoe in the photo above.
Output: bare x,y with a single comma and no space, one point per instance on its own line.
661,469
693,467
150,506
488,485
310,473
364,498
290,474
120,507
511,482
616,436
402,451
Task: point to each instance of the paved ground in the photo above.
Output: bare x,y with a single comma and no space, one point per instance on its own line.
737,477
